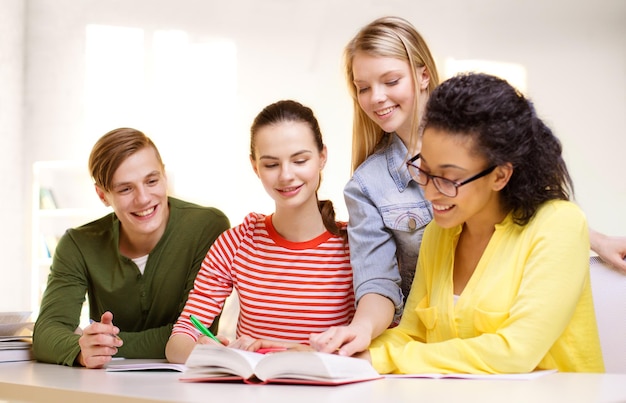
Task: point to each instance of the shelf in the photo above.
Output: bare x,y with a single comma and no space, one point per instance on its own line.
66,188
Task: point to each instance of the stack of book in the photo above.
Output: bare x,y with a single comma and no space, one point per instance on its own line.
15,336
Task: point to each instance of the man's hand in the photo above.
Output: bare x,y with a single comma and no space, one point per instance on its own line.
99,342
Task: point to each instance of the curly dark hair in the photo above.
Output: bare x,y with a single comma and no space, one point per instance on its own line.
505,128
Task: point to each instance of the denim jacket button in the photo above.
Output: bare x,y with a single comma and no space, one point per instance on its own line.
412,224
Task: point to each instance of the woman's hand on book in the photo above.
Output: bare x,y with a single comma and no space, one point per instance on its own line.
202,339
343,340
262,345
242,343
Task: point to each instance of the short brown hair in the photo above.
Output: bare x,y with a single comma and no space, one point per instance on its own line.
112,149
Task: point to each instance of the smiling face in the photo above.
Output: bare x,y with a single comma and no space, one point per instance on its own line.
288,163
452,157
138,196
386,91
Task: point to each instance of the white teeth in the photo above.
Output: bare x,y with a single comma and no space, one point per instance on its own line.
145,212
384,111
441,208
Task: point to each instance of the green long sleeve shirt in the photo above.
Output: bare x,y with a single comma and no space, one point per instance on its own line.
144,306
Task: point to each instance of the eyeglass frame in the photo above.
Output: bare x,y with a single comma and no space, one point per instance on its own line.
457,185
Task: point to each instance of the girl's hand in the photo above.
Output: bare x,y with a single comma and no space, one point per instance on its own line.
344,340
242,343
265,346
207,340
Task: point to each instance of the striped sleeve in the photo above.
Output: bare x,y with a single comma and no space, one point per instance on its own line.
213,283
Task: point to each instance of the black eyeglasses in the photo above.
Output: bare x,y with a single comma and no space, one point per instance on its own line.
446,187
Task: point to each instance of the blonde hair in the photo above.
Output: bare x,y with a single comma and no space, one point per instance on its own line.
385,37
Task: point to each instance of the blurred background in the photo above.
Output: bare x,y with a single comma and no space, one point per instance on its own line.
192,74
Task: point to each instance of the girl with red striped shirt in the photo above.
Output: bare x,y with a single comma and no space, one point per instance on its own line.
291,269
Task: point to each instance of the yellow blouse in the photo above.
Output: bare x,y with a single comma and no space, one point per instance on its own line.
527,306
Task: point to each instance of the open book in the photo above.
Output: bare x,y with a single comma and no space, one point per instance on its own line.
14,323
208,363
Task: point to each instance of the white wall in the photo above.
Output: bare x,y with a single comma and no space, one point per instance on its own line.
574,52
14,237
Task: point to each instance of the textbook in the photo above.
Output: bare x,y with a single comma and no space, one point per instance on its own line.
211,363
15,340
17,350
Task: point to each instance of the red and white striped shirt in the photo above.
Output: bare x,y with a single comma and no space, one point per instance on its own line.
287,290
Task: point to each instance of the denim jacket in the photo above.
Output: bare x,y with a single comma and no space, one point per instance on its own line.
387,215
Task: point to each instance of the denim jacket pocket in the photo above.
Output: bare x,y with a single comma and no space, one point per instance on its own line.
408,217
426,314
489,322
406,221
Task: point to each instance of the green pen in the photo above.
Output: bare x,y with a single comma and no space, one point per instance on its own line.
203,329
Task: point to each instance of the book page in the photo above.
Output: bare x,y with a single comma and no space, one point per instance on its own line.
15,323
314,366
13,329
206,359
14,317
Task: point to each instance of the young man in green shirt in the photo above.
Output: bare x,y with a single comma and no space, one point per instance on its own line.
136,264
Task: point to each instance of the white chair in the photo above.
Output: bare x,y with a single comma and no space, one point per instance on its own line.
609,298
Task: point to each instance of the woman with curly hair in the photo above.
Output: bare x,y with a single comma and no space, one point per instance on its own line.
502,282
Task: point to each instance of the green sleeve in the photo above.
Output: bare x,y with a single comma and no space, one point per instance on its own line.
54,340
145,344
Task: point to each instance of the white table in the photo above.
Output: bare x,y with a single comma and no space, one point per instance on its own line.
37,382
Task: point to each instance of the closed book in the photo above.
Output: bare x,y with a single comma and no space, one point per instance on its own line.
21,353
